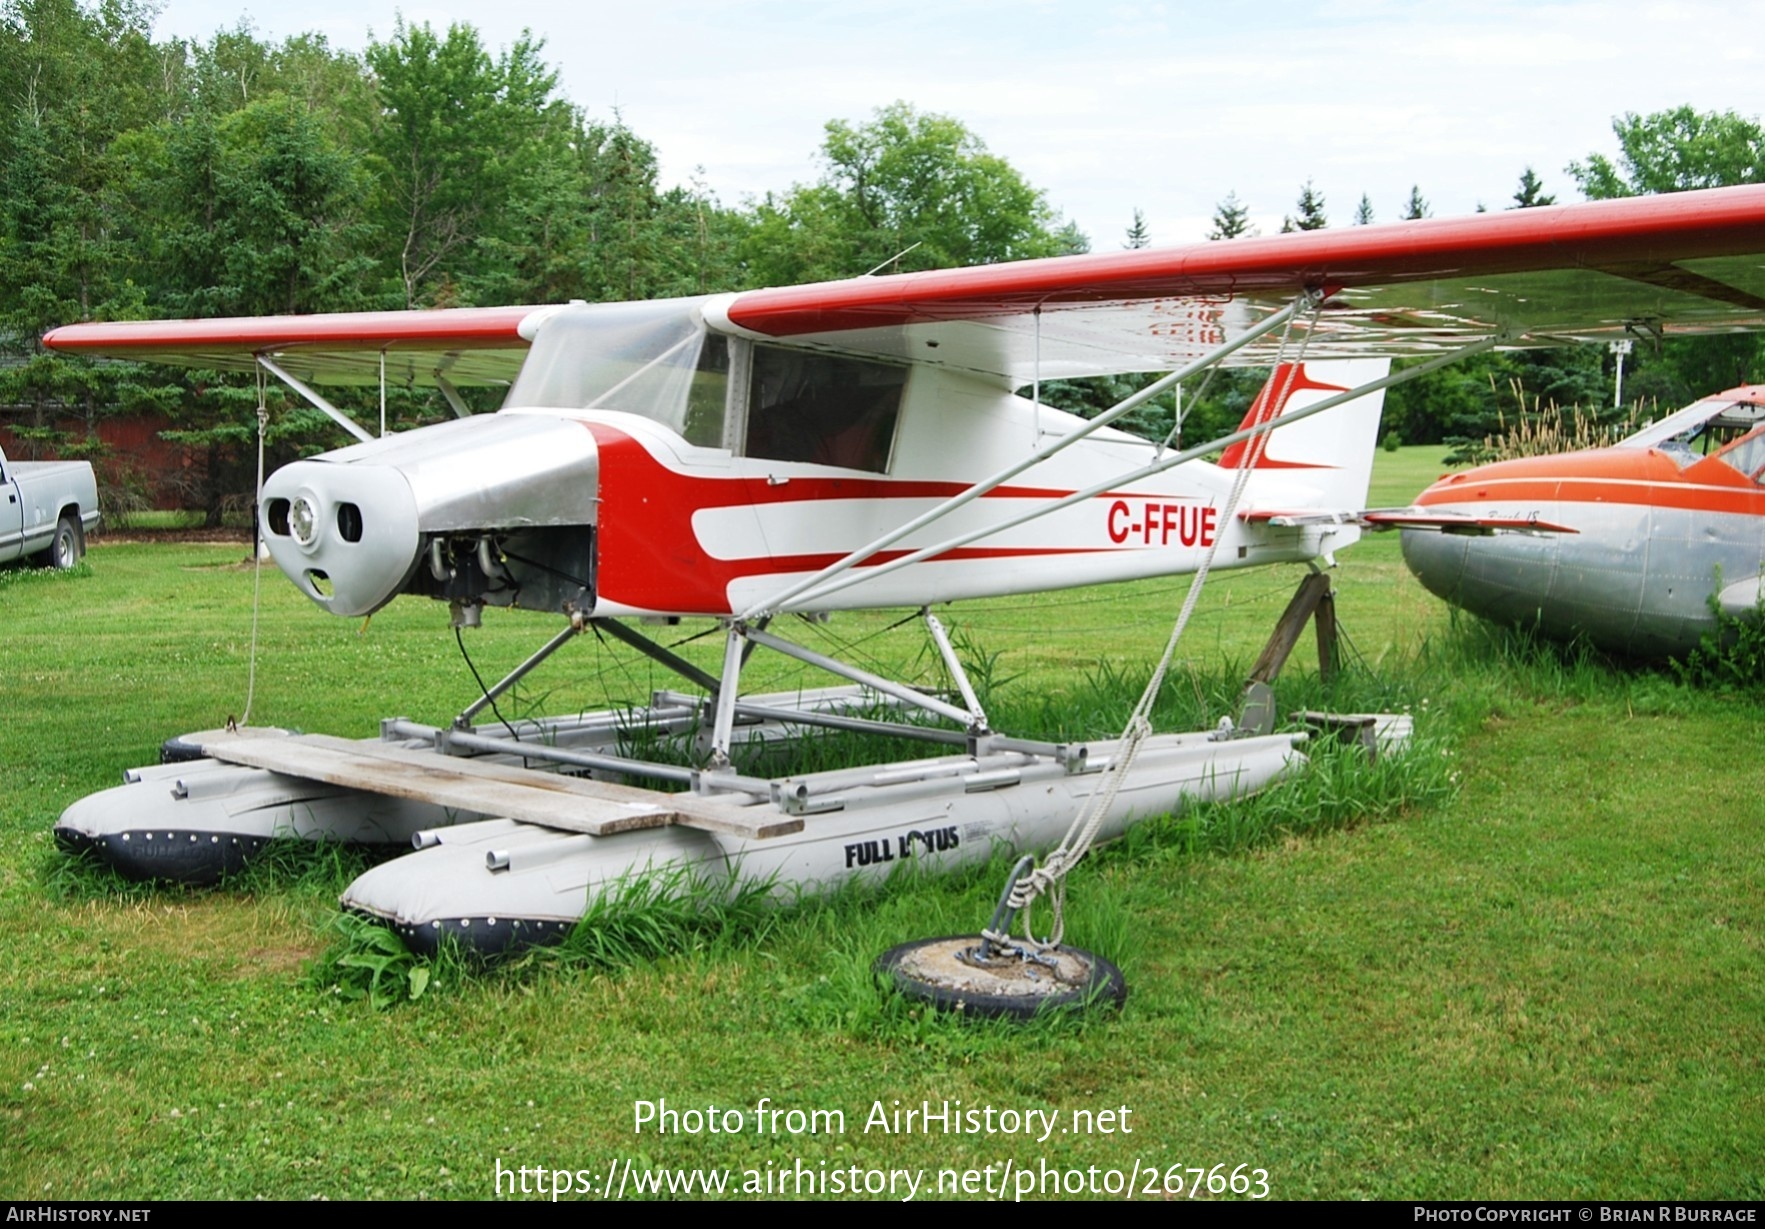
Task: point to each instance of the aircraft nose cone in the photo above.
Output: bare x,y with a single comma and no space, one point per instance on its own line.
346,535
1508,577
1438,561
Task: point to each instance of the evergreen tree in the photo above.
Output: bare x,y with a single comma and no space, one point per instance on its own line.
1230,219
72,81
1416,207
1311,212
1137,236
1363,212
1531,192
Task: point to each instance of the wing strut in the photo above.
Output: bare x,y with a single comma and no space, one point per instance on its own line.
1306,301
317,402
454,401
825,588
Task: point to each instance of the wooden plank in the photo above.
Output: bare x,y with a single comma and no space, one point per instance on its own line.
570,804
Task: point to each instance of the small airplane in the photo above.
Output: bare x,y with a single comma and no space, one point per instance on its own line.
1665,522
852,444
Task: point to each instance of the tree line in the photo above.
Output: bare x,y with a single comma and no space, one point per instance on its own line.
1677,150
144,178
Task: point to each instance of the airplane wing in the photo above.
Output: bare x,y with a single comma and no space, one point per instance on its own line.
469,345
1686,263
1663,265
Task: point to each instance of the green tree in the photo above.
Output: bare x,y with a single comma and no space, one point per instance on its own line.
907,190
1230,219
1310,215
1416,207
1363,212
454,131
1137,236
1531,193
1675,151
254,212
257,212
72,80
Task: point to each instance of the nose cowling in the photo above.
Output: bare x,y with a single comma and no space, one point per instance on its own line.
346,535
1438,561
351,527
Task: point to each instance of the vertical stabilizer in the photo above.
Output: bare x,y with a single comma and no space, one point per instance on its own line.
1331,452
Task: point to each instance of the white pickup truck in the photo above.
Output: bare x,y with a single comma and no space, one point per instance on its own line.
46,510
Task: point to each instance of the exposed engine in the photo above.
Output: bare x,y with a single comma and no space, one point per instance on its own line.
492,510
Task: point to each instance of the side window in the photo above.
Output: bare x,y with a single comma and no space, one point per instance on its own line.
708,396
823,409
1747,454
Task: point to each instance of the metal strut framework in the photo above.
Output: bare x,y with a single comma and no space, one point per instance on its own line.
314,399
835,585
740,636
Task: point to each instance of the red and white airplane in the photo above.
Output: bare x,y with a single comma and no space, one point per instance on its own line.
868,443
1665,521
787,449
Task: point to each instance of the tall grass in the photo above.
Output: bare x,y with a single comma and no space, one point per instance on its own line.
1544,428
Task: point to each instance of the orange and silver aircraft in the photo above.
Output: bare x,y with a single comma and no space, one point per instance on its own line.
871,442
1666,522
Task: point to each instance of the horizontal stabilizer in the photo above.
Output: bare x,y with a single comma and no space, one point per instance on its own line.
1406,518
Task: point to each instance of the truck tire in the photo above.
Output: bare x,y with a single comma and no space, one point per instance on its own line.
65,548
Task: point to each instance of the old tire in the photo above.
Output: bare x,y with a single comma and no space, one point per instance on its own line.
1100,983
65,548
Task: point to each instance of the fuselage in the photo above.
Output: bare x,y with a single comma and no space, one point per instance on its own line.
710,489
1661,529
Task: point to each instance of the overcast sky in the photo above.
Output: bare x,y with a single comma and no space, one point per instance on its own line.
1162,107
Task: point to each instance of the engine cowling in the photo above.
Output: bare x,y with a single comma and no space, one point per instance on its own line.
497,508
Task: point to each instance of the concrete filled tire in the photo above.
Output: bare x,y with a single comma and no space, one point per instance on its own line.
932,971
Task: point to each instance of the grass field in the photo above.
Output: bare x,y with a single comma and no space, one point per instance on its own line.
1526,965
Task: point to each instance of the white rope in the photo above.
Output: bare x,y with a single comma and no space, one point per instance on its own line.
1049,878
257,553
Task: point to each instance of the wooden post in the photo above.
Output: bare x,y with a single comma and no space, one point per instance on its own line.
1312,590
1313,598
1325,617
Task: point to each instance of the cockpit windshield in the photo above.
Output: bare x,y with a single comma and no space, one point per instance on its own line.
1700,429
637,357
659,361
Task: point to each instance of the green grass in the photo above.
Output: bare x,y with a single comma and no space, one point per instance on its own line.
1523,963
157,518
1398,477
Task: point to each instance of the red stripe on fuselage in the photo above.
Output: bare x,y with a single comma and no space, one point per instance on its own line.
649,558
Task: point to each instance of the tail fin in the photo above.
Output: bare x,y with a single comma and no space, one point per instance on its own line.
1336,446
